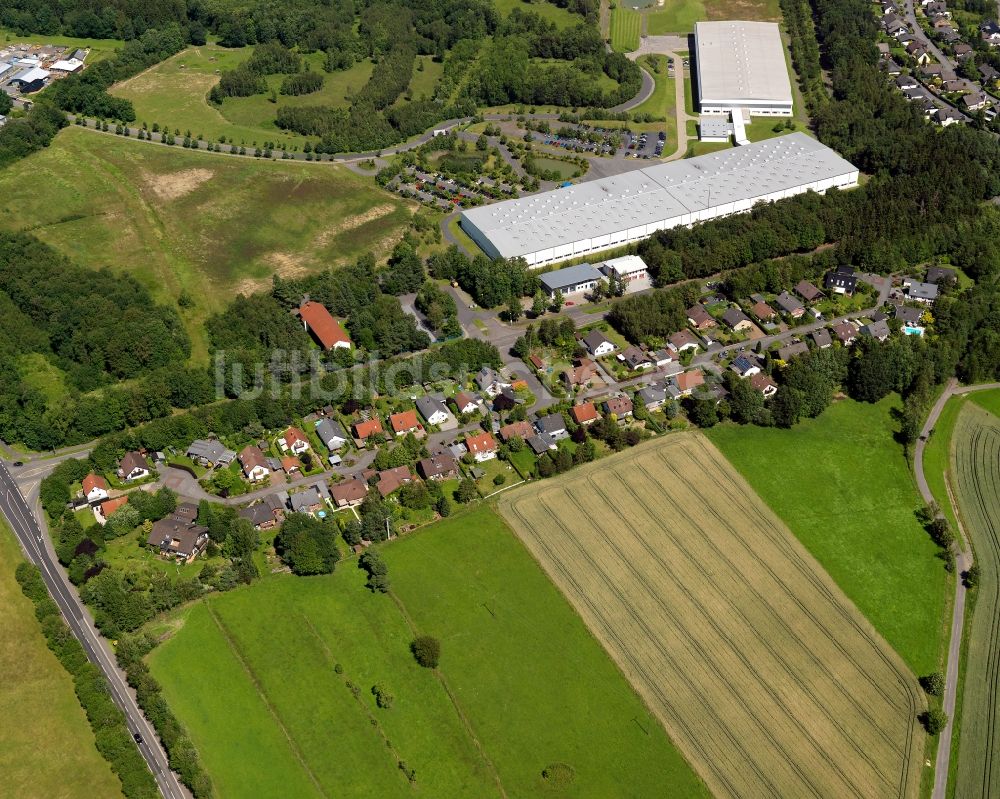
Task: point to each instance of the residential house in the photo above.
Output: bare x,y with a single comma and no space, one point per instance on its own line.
259,515
962,51
790,351
918,52
841,280
553,426
482,447
931,71
745,365
332,434
907,315
895,27
109,506
904,82
920,292
405,422
763,311
687,382
309,500
95,488
821,338
489,381
948,116
790,305
989,74
598,344
210,452
892,68
699,318
433,410
635,358
807,291
540,444
133,466
179,535
764,384
584,414
621,406
683,340
290,464
737,321
439,467
662,357
940,274
327,331
879,330
365,429
581,373
990,32
254,464
973,101
845,332
506,400
349,493
390,480
293,440
651,397
522,430
465,403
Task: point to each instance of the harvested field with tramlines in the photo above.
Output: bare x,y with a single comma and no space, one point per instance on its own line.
766,677
976,478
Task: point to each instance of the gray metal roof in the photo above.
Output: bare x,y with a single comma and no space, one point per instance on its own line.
570,276
741,61
428,406
655,194
714,127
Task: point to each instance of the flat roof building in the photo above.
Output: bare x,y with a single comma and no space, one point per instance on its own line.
600,214
572,279
742,65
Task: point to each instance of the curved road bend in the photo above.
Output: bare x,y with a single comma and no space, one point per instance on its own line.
963,561
34,542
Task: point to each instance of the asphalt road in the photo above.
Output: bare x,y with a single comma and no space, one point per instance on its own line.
34,542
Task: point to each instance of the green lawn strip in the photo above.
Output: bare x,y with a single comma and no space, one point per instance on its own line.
524,461
661,101
46,745
677,16
937,456
988,399
206,686
843,486
625,27
536,686
205,225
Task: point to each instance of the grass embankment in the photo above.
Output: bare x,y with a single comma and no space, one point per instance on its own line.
521,685
765,675
208,226
843,486
976,479
46,745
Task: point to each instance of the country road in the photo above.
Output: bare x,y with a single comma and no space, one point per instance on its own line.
34,541
962,562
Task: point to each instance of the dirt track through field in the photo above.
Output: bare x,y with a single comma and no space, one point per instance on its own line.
763,673
976,453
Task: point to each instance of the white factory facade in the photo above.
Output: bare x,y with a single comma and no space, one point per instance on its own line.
740,67
610,212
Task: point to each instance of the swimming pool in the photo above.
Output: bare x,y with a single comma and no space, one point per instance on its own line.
912,330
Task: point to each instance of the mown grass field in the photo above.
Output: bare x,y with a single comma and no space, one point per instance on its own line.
46,745
988,400
204,224
977,484
764,674
675,16
843,486
626,25
521,686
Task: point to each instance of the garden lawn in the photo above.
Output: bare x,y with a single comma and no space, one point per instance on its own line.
205,225
46,745
842,485
521,684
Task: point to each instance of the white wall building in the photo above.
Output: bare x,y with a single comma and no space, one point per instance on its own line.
600,214
741,65
628,267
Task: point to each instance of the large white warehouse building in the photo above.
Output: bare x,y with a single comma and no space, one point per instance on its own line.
741,65
600,214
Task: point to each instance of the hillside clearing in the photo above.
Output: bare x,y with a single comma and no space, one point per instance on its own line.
763,673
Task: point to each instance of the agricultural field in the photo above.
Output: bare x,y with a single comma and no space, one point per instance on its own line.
976,479
205,225
521,689
626,25
46,745
988,400
858,521
762,671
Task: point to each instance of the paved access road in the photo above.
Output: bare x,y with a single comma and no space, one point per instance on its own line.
34,542
963,561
